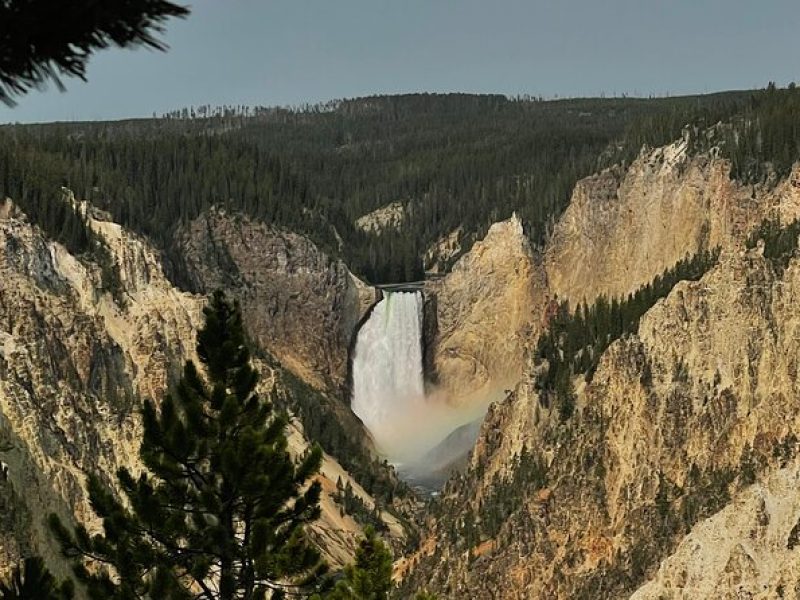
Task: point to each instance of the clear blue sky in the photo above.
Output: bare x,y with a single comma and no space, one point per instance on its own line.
293,51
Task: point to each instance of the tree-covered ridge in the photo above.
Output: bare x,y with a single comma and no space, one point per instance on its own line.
575,340
763,141
454,160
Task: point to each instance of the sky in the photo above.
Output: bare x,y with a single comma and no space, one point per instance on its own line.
289,52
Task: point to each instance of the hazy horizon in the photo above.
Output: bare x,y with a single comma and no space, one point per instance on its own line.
290,54
310,105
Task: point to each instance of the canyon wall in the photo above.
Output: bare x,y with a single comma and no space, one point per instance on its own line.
676,476
298,304
622,228
75,363
482,315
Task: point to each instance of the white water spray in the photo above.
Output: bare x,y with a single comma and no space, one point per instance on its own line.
389,388
388,383
387,367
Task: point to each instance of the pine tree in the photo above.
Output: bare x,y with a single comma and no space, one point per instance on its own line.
221,513
370,576
32,581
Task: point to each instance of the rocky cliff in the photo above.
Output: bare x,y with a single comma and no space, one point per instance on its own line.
443,252
483,314
391,216
299,304
675,476
747,550
75,362
72,365
624,227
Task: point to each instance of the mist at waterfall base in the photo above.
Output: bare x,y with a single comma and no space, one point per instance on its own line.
389,393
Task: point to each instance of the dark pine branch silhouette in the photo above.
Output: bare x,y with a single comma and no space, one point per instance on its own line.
43,40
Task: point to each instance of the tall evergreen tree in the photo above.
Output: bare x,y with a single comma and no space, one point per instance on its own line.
221,513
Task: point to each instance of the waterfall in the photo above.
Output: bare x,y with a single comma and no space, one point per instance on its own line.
387,366
389,394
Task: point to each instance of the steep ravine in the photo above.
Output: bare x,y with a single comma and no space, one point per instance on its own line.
673,478
694,413
73,365
622,228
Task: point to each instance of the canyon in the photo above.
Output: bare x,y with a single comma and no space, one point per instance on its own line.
676,476
74,360
691,415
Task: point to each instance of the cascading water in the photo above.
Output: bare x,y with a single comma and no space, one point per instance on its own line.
388,384
418,433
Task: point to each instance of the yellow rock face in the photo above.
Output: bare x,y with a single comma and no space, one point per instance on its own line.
483,315
701,405
74,364
622,229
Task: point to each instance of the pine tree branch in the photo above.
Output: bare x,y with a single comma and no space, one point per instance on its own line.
42,40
